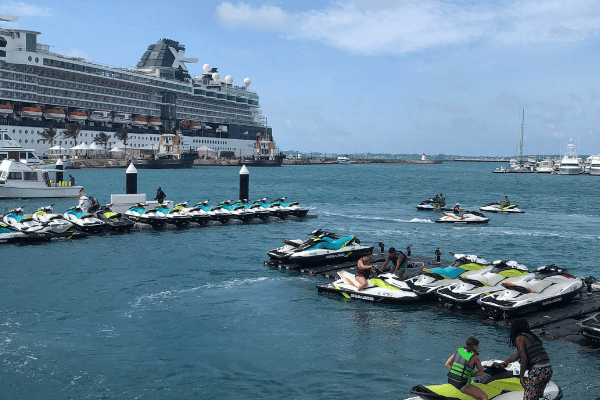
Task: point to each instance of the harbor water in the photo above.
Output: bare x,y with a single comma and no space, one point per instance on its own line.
194,313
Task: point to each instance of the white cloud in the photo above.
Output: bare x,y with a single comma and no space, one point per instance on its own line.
389,27
21,9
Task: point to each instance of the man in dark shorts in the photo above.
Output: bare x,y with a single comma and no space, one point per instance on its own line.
399,262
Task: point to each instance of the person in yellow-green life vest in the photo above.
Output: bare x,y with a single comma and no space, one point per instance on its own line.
463,365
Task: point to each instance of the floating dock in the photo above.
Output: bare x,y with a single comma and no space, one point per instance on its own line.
558,322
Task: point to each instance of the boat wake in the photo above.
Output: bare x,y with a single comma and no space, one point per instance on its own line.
416,220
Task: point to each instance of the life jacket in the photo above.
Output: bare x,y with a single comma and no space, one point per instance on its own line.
460,369
535,351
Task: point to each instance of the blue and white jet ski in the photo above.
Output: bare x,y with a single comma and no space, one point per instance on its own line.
216,213
237,210
377,290
174,215
427,283
138,213
330,251
275,208
196,214
546,286
469,288
17,220
45,216
282,254
499,207
293,207
36,233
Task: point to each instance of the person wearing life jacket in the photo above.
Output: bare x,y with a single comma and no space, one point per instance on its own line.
364,271
463,365
532,356
505,202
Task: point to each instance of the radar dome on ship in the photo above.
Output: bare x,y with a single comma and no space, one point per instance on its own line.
247,82
216,76
206,67
228,80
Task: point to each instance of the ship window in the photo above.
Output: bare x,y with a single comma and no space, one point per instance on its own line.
30,176
15,175
25,140
29,58
2,53
26,133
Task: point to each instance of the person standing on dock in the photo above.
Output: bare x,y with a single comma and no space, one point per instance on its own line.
71,180
438,256
408,251
399,260
160,195
532,356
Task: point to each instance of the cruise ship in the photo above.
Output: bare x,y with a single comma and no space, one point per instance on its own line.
41,89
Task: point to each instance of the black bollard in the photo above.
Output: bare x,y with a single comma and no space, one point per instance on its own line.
244,183
131,181
59,172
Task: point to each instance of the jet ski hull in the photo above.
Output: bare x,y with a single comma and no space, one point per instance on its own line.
468,218
590,327
324,257
498,208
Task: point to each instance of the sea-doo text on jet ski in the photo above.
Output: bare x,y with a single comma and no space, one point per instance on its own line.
377,290
546,286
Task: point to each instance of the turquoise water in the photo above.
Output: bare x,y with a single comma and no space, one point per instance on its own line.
193,313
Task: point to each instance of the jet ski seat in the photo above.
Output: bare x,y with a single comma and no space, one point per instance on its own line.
339,243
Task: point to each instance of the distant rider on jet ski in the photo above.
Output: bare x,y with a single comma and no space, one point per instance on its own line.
533,356
462,367
506,202
442,199
399,260
364,270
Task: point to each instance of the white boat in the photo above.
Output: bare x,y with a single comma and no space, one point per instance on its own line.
595,165
343,160
11,150
78,116
545,167
31,112
570,165
18,180
54,114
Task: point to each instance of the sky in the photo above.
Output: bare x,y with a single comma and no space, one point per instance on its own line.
370,76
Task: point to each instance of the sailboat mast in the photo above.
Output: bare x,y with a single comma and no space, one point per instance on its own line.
521,144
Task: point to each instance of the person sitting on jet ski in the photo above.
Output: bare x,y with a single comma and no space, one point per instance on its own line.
95,206
364,270
532,356
457,210
462,367
442,199
506,202
398,259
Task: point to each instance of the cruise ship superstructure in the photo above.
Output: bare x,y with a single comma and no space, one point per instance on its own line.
41,89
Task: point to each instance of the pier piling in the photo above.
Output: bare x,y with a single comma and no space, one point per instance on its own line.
244,183
131,180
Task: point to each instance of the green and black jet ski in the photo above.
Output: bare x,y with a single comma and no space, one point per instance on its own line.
497,382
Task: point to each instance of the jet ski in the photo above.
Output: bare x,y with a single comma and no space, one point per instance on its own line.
174,215
216,213
257,210
468,217
275,208
590,327
330,251
282,254
377,290
9,234
546,286
45,216
465,293
501,208
497,382
138,213
293,207
426,284
18,221
196,214
114,221
432,204
237,210
84,221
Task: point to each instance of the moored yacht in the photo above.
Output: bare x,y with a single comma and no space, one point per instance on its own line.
18,180
570,165
545,166
595,165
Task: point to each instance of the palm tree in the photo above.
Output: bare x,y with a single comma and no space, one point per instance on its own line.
102,140
48,135
122,136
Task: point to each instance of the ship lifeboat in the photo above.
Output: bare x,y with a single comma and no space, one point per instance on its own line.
154,122
139,121
185,124
77,116
122,118
53,113
196,125
100,116
6,109
31,112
